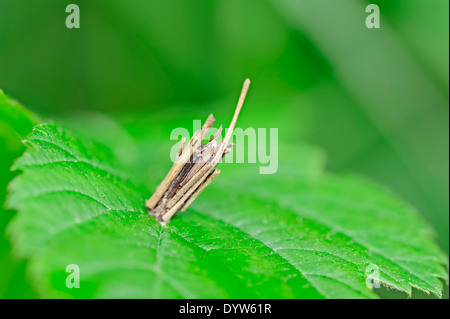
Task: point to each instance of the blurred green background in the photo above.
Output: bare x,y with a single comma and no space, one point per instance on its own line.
376,100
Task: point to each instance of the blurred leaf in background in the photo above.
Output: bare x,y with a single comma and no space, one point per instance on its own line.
375,99
15,123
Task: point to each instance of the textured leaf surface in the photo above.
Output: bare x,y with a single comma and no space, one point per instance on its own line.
298,234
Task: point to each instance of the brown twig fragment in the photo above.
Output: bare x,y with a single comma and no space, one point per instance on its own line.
194,168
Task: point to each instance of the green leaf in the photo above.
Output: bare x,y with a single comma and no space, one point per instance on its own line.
300,233
15,116
15,123
390,126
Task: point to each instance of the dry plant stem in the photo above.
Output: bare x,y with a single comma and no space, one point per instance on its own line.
194,168
197,192
199,186
174,171
180,151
